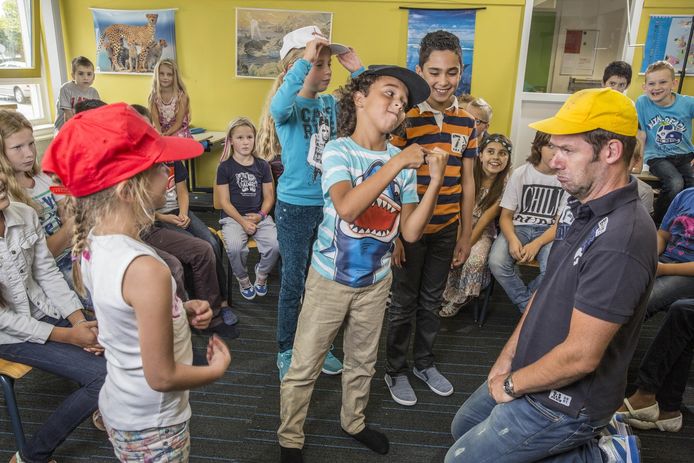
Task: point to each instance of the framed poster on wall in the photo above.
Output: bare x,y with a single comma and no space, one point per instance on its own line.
580,47
460,22
667,40
259,34
132,41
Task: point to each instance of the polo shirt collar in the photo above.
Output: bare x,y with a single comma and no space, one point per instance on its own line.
424,106
607,203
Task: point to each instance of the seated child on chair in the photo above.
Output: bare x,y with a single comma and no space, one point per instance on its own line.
245,193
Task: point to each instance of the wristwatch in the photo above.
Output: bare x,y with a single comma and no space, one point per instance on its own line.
508,386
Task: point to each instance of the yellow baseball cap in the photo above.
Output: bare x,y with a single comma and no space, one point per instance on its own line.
594,108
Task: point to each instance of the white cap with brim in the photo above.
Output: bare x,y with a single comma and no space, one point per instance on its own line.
300,37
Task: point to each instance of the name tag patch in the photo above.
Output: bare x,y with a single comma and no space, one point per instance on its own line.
458,142
560,398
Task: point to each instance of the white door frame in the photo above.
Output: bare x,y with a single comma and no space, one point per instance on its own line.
520,95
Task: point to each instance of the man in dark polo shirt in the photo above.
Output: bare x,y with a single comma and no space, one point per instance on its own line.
561,375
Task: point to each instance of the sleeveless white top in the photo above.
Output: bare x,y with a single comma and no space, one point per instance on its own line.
126,401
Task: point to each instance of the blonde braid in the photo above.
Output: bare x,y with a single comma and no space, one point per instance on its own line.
78,208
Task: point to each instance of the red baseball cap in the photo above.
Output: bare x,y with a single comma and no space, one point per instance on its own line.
101,147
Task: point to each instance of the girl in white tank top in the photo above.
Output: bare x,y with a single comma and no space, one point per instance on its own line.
116,185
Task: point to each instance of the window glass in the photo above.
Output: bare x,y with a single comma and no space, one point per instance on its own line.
24,97
571,43
16,47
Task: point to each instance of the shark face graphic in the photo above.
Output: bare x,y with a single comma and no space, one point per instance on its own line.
360,248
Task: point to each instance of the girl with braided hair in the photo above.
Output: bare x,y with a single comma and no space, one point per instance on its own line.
115,186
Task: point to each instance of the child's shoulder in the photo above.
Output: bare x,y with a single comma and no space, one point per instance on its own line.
68,86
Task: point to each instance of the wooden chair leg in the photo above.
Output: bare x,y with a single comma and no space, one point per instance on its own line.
13,411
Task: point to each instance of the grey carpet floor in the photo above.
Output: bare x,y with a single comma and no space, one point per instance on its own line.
235,419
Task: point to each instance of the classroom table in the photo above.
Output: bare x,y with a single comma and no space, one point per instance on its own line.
203,169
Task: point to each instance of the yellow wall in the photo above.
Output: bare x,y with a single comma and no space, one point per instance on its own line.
655,7
205,45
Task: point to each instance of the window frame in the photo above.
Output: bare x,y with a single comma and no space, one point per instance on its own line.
35,70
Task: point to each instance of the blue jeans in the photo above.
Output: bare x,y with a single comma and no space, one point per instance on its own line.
504,268
675,174
296,232
668,289
198,229
520,431
67,361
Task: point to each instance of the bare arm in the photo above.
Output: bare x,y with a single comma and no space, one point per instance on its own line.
154,111
485,219
351,201
183,198
663,238
68,114
268,197
60,240
579,355
507,228
464,242
530,250
147,288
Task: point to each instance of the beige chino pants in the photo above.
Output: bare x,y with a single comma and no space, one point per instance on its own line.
328,306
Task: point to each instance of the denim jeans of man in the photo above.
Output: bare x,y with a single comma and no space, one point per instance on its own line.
675,174
522,430
504,268
296,232
67,361
668,289
198,229
665,367
417,293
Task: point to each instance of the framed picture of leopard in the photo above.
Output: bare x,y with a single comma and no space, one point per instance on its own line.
132,41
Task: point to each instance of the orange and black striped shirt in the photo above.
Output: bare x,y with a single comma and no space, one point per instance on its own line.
458,137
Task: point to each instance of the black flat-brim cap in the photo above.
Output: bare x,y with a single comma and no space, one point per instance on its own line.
417,88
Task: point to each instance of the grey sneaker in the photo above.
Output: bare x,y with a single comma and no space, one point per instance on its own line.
435,380
400,389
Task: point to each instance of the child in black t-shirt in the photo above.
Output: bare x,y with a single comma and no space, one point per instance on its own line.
245,193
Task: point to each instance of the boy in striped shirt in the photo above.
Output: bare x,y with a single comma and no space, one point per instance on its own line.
421,267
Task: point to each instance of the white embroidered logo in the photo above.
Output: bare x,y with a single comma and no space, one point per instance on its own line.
578,255
602,227
560,398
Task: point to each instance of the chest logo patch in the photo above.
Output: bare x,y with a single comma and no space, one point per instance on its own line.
458,142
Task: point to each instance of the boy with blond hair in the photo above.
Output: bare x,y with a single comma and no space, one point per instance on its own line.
665,120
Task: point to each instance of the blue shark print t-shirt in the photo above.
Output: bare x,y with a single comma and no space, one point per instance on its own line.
679,222
668,128
358,254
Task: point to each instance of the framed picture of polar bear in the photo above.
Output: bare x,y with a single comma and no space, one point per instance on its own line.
259,34
132,41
